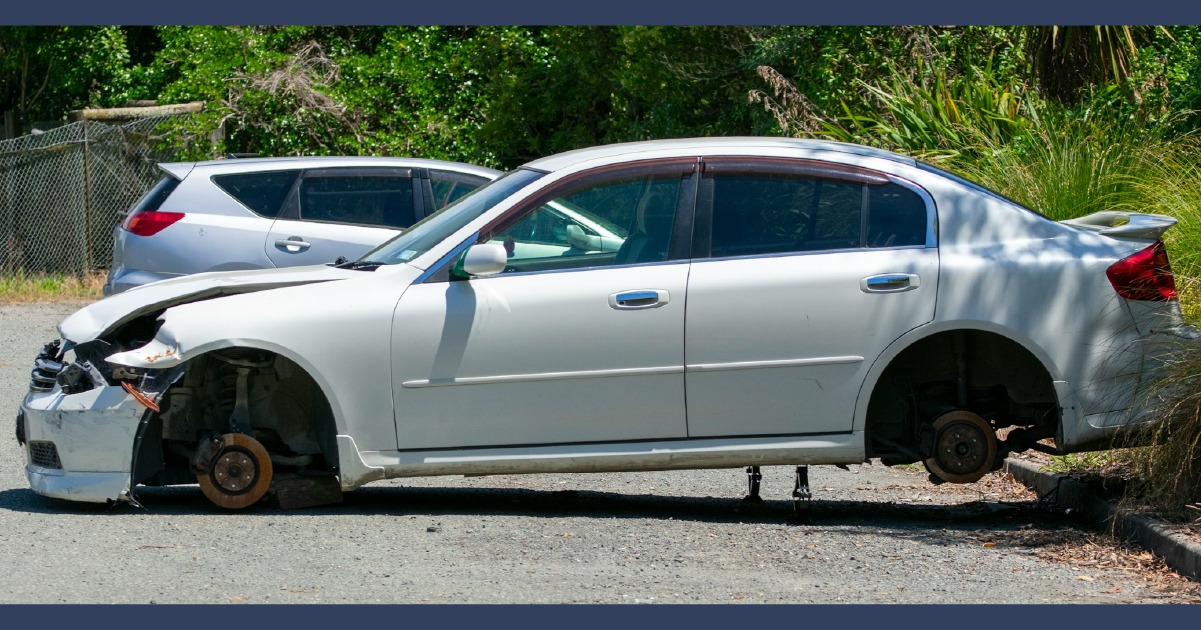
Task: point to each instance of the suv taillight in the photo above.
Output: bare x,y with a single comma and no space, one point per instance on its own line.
1144,275
149,223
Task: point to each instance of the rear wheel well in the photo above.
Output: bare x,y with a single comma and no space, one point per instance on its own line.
287,413
979,371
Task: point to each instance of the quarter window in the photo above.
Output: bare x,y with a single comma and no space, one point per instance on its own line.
896,216
364,200
449,187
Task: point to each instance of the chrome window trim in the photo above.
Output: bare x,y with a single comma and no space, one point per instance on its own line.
596,268
816,252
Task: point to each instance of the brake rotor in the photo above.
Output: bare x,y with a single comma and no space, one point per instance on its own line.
965,447
240,475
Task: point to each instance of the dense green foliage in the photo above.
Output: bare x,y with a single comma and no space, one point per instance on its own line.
504,95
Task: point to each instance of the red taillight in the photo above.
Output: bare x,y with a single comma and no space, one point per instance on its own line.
149,223
1145,275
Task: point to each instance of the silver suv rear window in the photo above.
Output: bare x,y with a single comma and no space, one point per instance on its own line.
263,193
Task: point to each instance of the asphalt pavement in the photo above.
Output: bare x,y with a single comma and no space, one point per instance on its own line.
876,535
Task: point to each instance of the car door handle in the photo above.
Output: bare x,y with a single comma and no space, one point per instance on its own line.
642,298
890,283
292,241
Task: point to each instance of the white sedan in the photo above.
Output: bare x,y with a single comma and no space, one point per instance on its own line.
704,303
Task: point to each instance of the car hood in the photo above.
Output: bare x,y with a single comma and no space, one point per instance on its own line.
99,319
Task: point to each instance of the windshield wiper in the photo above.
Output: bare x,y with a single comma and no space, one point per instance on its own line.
359,265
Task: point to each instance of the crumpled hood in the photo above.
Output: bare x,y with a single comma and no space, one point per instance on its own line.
97,320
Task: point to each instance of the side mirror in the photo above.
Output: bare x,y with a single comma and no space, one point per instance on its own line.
484,259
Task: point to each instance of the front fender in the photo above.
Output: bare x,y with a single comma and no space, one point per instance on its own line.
338,332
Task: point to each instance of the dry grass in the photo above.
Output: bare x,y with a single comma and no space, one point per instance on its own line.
23,289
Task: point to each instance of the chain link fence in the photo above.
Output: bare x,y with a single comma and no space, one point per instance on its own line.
63,191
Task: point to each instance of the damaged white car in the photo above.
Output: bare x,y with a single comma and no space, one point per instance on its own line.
707,303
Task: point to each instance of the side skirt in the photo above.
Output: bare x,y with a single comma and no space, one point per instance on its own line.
843,448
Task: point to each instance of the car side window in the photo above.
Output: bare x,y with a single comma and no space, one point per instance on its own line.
896,216
358,199
771,213
618,222
263,193
449,187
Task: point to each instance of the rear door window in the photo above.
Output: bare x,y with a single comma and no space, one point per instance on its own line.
262,193
774,213
361,198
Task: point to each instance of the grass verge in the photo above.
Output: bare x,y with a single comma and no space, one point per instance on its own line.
20,288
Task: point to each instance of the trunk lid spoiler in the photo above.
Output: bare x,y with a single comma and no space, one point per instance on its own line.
1120,224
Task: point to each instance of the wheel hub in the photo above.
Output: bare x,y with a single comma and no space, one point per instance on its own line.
234,471
240,475
961,448
965,447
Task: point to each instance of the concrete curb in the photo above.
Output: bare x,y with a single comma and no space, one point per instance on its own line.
1180,553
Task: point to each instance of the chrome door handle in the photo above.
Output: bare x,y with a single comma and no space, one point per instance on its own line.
643,298
292,241
890,283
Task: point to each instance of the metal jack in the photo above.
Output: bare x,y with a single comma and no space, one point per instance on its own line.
801,495
753,480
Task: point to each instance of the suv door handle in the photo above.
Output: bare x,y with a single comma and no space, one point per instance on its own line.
292,241
642,298
890,283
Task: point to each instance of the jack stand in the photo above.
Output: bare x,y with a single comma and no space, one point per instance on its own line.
801,495
753,479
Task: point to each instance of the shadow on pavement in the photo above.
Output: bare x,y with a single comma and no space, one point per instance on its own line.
436,501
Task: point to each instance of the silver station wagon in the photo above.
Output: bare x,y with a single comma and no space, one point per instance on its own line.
262,213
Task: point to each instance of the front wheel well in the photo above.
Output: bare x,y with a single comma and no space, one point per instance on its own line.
974,370
261,393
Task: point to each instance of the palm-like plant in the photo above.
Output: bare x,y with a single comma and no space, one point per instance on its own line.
1065,59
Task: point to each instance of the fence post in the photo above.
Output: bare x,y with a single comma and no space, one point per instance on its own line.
87,197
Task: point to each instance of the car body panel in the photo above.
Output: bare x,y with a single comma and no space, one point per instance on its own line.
540,358
779,345
326,242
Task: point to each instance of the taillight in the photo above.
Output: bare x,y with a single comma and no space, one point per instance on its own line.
149,223
1145,275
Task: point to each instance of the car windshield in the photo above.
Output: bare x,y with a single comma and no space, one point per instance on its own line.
438,226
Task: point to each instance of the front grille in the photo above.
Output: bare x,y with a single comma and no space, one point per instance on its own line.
44,454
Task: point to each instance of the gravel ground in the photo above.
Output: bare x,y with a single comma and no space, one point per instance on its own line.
877,534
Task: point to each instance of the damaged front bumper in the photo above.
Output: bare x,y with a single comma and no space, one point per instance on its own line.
80,446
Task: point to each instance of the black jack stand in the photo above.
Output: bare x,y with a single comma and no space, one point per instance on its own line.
753,480
801,495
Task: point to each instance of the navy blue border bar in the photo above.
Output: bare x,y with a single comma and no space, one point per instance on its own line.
607,12
598,617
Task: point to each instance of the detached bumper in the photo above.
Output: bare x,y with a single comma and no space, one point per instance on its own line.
80,446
